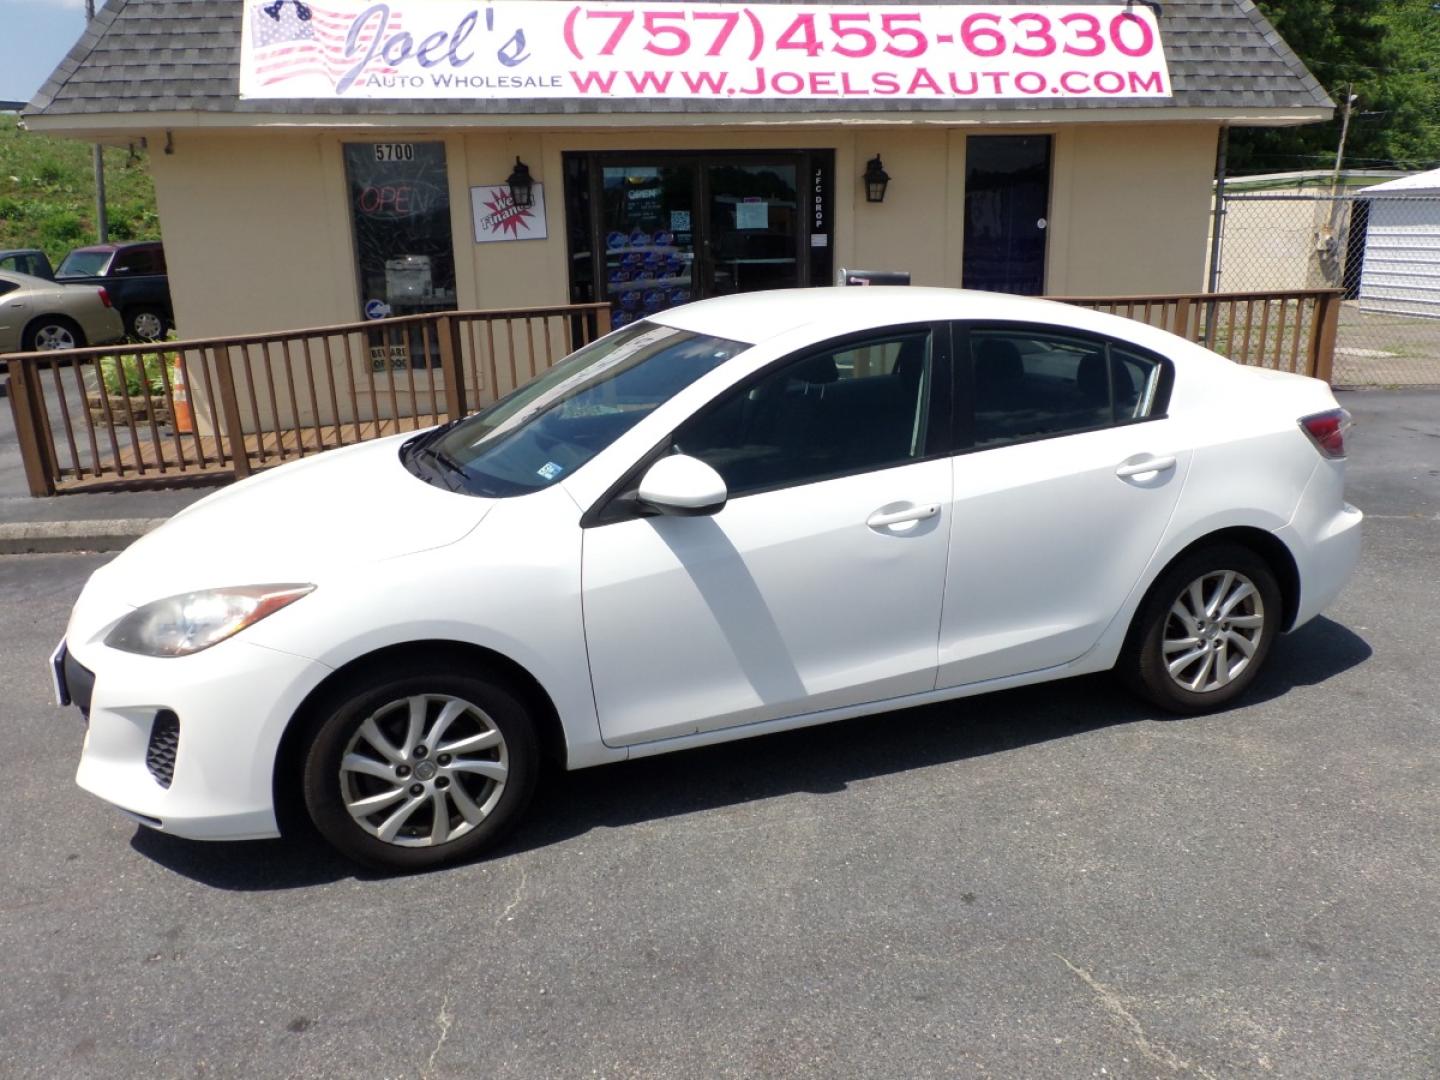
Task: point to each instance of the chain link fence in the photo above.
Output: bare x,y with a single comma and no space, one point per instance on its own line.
1383,250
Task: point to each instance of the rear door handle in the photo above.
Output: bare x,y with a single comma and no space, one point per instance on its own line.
879,520
1149,465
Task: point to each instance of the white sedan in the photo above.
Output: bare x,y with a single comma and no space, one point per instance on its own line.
740,516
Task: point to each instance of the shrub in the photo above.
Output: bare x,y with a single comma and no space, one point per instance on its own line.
51,172
123,374
61,230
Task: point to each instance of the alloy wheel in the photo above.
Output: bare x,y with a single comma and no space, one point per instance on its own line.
424,770
1213,630
55,336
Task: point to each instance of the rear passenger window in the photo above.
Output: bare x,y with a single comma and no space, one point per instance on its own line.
1137,384
825,414
1031,385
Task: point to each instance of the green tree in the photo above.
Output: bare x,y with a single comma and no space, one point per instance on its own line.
1413,27
1382,51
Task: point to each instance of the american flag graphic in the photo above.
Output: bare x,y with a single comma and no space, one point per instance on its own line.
292,39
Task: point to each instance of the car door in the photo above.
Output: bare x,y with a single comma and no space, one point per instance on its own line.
1068,478
818,584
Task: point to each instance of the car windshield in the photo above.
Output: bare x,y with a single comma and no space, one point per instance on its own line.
83,264
548,428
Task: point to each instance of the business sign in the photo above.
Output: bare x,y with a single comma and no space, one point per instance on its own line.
457,49
498,218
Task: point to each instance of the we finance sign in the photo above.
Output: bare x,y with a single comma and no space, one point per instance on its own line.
552,49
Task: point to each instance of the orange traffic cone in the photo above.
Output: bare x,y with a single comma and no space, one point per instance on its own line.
180,397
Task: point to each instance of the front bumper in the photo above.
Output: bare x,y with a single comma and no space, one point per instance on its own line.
231,704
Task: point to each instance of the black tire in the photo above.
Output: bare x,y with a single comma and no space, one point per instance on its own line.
146,324
483,707
1163,630
49,328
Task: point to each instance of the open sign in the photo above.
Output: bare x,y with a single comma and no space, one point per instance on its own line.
387,200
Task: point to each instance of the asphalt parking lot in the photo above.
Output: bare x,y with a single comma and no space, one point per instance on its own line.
1050,882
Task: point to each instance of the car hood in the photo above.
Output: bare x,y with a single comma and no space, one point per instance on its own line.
297,523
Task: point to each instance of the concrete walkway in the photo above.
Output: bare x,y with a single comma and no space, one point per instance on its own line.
88,522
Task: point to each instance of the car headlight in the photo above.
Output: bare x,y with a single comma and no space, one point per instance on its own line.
185,624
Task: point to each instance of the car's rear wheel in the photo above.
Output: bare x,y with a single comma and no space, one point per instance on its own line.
146,324
420,767
1204,631
52,332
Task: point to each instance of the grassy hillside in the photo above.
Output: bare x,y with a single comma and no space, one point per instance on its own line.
47,192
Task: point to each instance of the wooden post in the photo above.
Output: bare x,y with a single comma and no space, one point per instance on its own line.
230,406
29,429
1324,333
447,334
1182,318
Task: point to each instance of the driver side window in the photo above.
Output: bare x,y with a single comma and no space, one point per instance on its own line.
829,412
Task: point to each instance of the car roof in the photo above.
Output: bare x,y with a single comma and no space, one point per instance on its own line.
830,312
117,247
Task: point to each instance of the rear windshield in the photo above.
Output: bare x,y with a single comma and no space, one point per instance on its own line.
548,428
84,264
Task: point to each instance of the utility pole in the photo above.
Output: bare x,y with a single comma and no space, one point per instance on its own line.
1344,130
1217,229
102,220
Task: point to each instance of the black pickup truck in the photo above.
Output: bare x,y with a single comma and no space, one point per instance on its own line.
135,277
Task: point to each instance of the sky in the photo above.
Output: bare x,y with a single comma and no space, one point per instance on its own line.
35,35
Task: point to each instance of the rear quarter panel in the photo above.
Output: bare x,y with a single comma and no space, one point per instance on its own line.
1251,465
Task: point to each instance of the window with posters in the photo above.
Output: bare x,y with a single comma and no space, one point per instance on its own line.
405,254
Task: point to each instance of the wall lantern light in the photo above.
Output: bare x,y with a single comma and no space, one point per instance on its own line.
522,186
876,180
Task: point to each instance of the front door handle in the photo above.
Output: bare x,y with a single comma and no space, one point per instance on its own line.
881,519
1149,465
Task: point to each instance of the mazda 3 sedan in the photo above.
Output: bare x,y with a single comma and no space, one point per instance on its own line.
740,516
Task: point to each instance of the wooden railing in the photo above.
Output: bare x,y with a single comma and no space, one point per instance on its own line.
1287,331
210,409
152,416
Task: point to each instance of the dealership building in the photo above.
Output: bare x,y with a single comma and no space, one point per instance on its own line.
322,163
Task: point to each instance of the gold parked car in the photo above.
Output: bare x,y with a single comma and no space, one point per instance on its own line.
39,314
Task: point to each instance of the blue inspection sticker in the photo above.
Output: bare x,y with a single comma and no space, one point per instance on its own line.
550,470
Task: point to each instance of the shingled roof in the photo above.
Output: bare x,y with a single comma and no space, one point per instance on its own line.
182,56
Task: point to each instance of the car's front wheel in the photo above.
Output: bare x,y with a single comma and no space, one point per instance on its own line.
420,767
1201,636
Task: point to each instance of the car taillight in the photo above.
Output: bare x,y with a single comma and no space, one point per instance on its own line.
1327,431
104,297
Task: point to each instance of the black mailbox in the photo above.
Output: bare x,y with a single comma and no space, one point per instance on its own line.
874,277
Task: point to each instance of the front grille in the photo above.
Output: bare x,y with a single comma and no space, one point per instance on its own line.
164,740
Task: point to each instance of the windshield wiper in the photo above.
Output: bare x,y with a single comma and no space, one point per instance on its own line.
445,467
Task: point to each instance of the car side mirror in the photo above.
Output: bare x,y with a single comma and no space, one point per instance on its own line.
682,486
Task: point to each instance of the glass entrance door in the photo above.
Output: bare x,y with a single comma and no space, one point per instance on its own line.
1007,201
753,228
665,229
647,229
